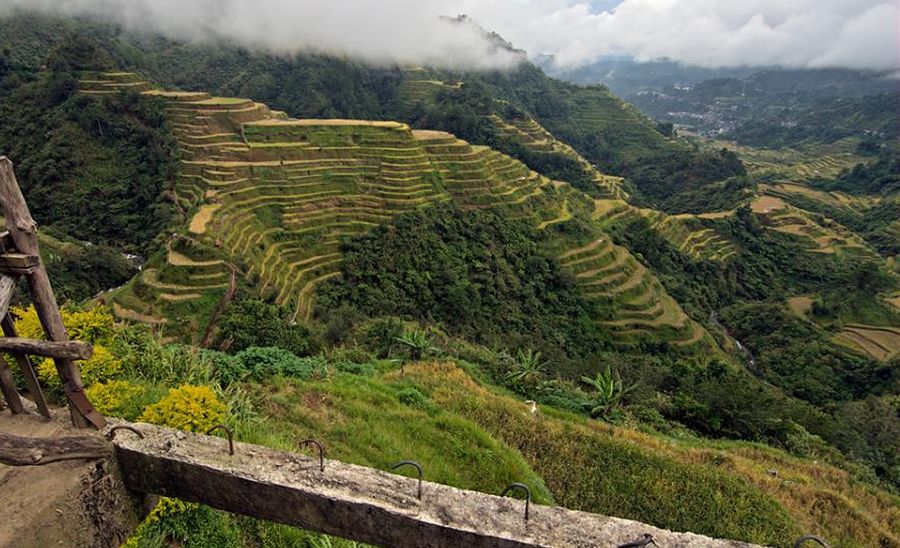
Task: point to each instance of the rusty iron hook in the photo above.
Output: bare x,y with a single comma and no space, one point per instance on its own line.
321,451
228,433
419,468
523,487
645,540
112,431
813,538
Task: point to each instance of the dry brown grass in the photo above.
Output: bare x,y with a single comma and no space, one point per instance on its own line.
177,259
801,305
767,204
134,316
882,343
203,217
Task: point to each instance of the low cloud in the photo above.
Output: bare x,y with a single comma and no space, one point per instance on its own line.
393,31
710,33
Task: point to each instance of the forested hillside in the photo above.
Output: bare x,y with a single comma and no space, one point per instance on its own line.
393,258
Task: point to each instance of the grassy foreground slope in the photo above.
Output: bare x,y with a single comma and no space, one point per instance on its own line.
726,489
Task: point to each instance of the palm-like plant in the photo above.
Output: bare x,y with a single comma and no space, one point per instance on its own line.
528,368
609,391
418,342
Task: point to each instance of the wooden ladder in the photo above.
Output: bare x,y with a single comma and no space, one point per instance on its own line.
20,257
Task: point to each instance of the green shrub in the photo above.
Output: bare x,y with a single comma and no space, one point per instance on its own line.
251,322
259,363
412,397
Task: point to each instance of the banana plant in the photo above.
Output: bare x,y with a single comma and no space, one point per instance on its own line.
418,342
608,389
528,369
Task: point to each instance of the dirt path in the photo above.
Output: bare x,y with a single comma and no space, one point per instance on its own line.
64,503
229,296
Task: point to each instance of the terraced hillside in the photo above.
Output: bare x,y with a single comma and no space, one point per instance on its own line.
535,137
820,235
836,199
270,198
818,161
643,309
595,110
421,84
686,232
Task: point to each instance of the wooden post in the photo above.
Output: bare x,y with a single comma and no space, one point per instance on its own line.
23,231
31,380
8,387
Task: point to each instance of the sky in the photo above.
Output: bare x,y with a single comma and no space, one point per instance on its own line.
709,33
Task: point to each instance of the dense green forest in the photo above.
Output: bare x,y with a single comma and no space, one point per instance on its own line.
96,168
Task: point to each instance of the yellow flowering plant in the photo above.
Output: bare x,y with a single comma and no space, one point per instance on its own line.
101,366
116,398
188,407
91,325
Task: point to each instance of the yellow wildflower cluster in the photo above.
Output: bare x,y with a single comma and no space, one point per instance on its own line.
113,398
91,325
188,407
165,507
102,366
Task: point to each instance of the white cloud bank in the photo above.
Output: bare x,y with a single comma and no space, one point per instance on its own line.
712,33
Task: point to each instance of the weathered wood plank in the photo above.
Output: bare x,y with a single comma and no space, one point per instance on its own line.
24,451
360,503
27,368
23,231
19,263
75,350
8,387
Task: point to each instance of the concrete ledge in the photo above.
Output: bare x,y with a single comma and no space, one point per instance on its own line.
360,503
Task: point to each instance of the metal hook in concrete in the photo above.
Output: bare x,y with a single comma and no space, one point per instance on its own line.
321,451
228,433
419,468
813,538
112,431
523,487
645,540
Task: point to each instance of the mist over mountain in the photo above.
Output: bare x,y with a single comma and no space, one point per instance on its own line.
574,33
396,32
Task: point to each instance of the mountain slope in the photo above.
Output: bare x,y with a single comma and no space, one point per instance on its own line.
272,197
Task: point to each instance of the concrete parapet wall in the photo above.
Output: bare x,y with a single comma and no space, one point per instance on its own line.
360,503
